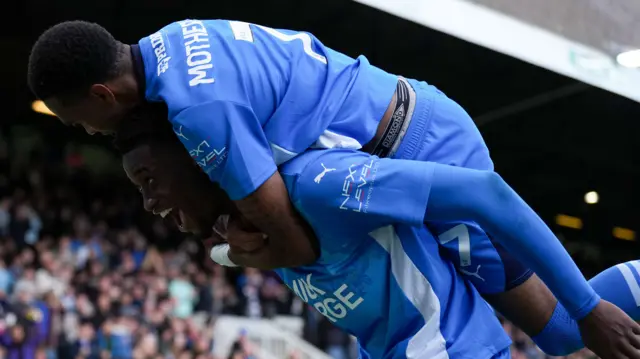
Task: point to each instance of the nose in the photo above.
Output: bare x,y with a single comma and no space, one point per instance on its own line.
149,203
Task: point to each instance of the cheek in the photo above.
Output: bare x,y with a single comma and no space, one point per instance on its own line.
170,189
98,116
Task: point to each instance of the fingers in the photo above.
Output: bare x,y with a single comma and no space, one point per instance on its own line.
241,239
629,351
630,345
634,339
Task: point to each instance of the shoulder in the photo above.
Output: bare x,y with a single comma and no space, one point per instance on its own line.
179,66
323,179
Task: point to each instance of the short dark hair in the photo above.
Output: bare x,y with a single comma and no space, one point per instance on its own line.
145,124
71,56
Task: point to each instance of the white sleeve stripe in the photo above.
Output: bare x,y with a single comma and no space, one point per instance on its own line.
631,281
635,265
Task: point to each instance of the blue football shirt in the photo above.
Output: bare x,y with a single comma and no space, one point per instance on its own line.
380,275
244,98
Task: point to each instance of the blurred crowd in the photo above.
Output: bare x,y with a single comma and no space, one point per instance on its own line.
85,273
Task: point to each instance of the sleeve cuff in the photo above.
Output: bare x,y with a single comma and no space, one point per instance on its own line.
241,192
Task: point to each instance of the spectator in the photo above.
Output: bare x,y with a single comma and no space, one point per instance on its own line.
20,338
6,278
183,293
86,345
79,280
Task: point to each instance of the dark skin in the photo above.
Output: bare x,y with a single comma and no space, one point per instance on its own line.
105,106
169,179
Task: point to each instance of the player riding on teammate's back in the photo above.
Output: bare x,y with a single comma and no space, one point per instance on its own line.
243,98
353,284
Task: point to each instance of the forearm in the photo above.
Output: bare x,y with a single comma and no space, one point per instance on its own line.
291,241
486,199
534,309
264,258
529,306
618,285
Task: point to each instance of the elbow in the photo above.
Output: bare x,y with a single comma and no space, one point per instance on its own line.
494,182
501,195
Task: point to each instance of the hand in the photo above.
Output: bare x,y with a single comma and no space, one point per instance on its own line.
242,236
247,247
250,248
610,333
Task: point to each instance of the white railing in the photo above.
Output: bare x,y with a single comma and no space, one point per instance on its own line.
270,339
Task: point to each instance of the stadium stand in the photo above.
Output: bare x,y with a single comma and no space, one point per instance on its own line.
85,274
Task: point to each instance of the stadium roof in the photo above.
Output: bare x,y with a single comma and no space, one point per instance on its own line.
606,25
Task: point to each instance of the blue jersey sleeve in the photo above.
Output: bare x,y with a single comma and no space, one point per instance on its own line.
483,197
228,143
358,190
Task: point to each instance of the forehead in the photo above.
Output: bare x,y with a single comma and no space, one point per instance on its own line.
150,157
138,159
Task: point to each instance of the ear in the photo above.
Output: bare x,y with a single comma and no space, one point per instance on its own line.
103,93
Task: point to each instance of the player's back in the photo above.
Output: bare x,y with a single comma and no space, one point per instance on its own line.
295,86
386,285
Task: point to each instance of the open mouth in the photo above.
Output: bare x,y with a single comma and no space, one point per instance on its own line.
180,221
164,213
177,217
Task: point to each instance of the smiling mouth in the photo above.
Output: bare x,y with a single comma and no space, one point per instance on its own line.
177,217
179,220
165,212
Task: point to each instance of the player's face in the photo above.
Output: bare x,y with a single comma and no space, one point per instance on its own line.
99,112
172,186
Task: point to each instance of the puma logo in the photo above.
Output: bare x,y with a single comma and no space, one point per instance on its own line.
180,134
473,274
324,172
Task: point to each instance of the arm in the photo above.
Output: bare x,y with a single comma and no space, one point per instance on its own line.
458,193
228,142
291,240
263,256
486,199
534,309
618,285
343,193
529,306
365,192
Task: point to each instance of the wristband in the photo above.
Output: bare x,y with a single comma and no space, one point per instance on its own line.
220,255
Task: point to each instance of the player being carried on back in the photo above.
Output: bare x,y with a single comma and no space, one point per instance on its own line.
246,98
370,252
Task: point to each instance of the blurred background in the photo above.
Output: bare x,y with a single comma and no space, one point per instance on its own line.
84,273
